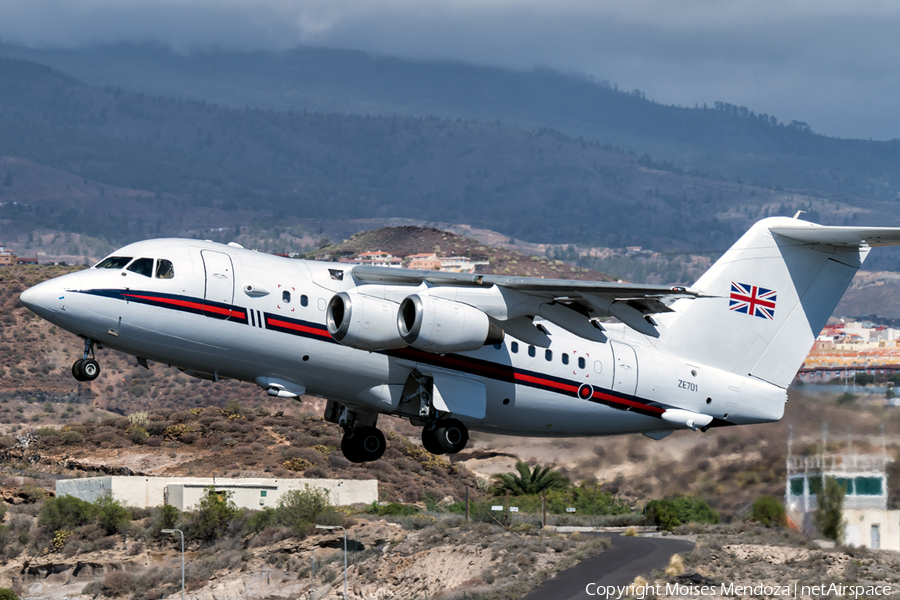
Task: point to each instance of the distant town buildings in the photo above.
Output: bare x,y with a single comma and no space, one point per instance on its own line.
843,350
6,257
423,261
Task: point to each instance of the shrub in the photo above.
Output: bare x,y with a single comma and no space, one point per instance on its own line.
118,583
768,511
8,594
671,512
111,515
137,434
71,437
65,511
301,509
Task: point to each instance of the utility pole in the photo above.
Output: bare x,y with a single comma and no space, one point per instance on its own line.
467,504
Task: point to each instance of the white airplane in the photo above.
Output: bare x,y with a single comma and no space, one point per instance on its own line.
453,352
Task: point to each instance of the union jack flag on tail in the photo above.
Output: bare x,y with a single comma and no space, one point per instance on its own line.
752,300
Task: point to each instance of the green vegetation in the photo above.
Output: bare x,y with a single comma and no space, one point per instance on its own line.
769,511
829,514
528,481
7,594
65,512
670,513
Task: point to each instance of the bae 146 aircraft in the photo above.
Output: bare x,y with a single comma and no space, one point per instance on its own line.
458,352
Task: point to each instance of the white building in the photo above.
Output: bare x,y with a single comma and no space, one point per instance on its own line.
184,493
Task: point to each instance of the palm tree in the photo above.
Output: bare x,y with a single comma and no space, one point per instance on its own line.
529,482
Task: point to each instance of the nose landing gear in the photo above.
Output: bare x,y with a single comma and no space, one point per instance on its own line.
86,369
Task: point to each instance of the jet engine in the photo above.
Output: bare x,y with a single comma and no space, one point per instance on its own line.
363,322
440,326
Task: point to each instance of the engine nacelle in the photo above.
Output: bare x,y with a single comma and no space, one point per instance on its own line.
363,322
440,326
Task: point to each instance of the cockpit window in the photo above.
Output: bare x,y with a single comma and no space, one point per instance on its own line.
142,266
164,269
114,262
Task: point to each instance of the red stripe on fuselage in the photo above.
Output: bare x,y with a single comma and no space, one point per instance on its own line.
297,327
188,304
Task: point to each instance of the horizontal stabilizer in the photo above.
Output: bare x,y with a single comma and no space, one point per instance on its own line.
839,236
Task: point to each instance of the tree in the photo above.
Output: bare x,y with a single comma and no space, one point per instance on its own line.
829,515
768,511
214,513
528,482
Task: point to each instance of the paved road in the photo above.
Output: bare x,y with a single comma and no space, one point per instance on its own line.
628,558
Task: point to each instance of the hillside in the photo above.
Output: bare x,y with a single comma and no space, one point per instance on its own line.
406,240
156,164
725,140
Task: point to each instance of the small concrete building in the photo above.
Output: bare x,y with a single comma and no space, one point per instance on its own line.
184,493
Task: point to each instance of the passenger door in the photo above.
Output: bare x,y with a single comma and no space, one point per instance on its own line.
219,294
625,376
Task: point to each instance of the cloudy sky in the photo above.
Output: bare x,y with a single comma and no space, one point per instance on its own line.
834,64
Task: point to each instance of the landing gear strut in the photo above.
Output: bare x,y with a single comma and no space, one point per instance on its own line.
362,441
86,369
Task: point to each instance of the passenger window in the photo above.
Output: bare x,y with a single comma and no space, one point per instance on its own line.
286,297
531,351
598,366
114,262
580,362
164,269
304,300
497,346
142,266
514,347
548,354
565,358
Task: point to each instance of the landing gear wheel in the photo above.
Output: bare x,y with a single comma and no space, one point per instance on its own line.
90,369
76,370
363,444
430,441
452,435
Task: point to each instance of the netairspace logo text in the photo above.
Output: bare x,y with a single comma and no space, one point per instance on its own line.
639,592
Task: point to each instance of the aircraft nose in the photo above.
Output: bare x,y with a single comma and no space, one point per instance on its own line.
42,298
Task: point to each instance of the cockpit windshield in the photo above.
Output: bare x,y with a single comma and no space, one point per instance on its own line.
114,262
142,266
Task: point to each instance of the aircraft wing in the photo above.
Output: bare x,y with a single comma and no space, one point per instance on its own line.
570,304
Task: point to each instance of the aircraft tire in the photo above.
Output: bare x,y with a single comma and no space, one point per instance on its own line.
430,441
452,435
363,444
90,369
76,370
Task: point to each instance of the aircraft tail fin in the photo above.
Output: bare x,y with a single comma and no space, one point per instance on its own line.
774,291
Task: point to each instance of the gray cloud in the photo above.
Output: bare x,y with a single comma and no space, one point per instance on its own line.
831,63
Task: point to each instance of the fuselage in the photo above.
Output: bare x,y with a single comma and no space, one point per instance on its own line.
224,312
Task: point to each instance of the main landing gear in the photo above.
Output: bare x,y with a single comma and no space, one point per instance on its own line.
445,436
86,369
362,441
